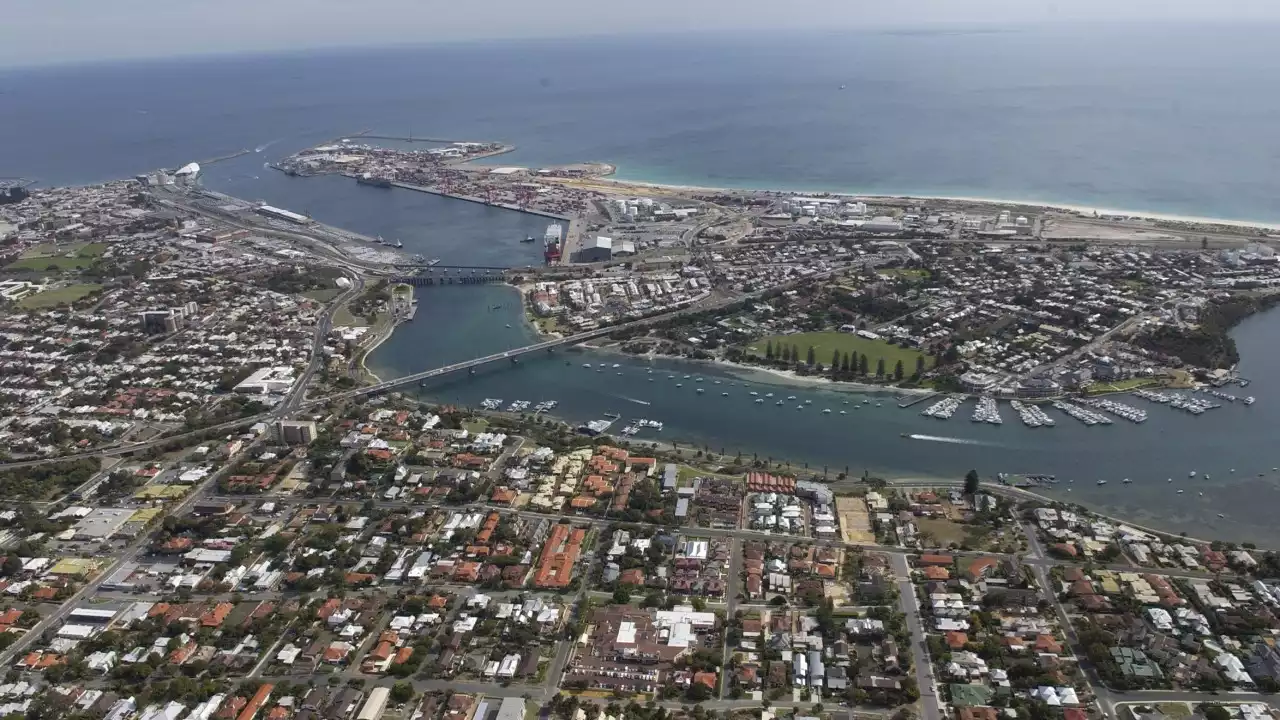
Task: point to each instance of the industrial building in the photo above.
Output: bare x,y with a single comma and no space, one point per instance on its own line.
282,214
512,708
267,380
598,250
375,705
102,523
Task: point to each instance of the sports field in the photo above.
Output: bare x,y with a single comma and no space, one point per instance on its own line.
824,343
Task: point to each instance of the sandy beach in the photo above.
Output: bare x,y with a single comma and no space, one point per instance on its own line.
1012,204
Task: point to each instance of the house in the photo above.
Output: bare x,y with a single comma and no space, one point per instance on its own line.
979,568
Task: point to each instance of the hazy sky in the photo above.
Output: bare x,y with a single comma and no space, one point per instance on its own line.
50,31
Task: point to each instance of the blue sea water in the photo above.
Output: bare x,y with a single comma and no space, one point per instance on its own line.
1176,119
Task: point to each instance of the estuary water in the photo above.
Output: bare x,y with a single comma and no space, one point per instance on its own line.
1233,445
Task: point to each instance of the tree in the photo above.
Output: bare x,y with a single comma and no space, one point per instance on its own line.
401,692
835,361
919,365
795,354
810,357
768,351
971,481
897,371
880,367
862,364
1215,712
621,596
844,363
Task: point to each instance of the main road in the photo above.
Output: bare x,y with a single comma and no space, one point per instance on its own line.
932,708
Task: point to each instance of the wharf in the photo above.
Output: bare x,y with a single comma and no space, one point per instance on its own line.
916,399
480,201
220,158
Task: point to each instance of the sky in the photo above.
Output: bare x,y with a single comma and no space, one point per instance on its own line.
37,32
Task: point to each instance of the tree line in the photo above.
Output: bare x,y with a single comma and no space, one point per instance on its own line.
843,366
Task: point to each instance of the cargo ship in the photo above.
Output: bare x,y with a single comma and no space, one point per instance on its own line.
375,181
551,243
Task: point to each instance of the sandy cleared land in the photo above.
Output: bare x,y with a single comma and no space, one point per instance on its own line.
855,520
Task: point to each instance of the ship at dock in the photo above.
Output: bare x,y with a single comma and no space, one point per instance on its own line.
373,180
551,242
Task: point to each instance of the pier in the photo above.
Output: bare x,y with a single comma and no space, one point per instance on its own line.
480,201
915,399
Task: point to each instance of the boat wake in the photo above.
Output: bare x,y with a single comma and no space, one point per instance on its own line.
265,145
638,402
951,440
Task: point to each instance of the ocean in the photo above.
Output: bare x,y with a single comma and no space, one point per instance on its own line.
1172,120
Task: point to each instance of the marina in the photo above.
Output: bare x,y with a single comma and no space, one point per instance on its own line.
987,411
943,409
1032,415
1128,412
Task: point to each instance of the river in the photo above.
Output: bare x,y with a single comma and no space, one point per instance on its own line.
458,322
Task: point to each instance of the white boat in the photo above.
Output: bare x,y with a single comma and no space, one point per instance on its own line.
844,412
1181,491
779,403
679,384
586,365
616,366
791,397
700,391
826,411
808,402
759,400
768,394
753,393
1191,474
724,394
1102,482
1126,481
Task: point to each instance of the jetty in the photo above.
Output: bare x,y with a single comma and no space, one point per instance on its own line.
910,400
479,200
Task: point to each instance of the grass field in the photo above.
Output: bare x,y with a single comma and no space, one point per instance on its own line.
1121,385
58,296
824,343
67,257
475,426
323,295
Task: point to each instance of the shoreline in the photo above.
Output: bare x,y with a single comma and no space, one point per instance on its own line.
783,377
1066,207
